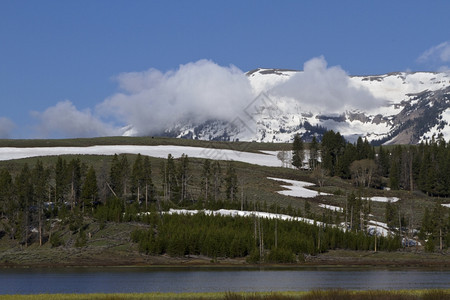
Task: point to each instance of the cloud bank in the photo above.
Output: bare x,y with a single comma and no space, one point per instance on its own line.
6,127
65,120
324,89
196,92
152,101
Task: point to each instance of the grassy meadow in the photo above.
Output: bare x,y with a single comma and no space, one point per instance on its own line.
311,295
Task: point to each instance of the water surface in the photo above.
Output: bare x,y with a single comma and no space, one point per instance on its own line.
178,280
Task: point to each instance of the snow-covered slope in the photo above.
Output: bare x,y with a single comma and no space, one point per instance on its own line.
394,108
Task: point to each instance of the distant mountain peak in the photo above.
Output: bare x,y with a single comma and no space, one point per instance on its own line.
415,107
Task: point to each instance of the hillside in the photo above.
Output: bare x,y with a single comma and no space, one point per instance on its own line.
46,197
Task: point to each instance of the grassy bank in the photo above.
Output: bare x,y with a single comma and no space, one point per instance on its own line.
312,295
143,141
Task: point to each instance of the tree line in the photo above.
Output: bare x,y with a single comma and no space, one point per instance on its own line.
424,167
72,190
258,239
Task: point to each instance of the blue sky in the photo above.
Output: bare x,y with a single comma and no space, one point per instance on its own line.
68,55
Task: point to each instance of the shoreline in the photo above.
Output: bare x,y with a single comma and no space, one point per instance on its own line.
331,259
315,294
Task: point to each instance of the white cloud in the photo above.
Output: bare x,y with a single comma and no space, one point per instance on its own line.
436,55
196,92
65,120
153,101
6,127
324,89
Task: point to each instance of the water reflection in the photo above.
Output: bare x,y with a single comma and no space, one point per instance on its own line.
127,280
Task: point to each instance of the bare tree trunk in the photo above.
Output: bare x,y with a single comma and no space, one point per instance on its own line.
276,227
138,193
40,223
376,230
351,219
399,223
146,196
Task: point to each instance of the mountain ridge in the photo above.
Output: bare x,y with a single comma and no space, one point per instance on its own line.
391,108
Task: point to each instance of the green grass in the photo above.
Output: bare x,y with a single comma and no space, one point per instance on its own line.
312,295
147,141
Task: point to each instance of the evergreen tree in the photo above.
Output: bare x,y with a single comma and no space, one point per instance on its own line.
61,179
297,152
137,177
217,179
333,145
391,215
74,175
342,166
383,161
40,181
313,153
148,184
231,183
394,174
183,177
24,193
120,175
170,182
89,191
206,179
6,192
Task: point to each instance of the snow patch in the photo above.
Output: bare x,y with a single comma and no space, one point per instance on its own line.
242,213
332,207
297,188
384,199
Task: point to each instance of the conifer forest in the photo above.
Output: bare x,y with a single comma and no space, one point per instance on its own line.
41,198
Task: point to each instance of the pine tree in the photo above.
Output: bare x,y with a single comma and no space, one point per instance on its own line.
297,152
24,193
6,192
120,176
61,179
183,177
231,183
333,145
148,184
40,181
383,161
137,177
206,179
74,175
217,179
313,153
89,191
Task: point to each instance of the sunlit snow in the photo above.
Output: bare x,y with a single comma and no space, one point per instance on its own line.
242,213
384,199
269,160
332,207
297,188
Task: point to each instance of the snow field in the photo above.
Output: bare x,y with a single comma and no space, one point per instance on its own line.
297,188
242,213
269,160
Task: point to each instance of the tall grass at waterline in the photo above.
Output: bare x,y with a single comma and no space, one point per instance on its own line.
335,294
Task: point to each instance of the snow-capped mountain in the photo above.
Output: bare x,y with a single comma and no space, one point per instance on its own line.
395,108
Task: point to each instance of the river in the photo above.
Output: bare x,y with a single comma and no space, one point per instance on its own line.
178,280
